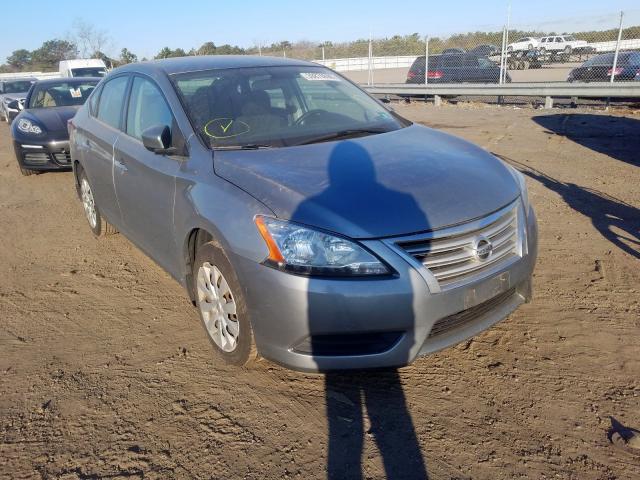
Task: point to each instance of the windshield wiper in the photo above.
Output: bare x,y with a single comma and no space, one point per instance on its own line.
249,146
350,133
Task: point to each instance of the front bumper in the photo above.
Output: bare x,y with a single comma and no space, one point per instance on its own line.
43,155
315,324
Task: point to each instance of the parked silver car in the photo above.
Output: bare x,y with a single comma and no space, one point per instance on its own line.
13,91
309,224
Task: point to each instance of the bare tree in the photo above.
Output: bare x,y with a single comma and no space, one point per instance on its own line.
89,39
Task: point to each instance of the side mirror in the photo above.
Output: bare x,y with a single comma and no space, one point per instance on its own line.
14,105
157,139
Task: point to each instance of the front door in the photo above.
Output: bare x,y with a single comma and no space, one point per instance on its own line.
145,181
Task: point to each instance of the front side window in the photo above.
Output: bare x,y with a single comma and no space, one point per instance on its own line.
278,106
147,108
111,101
60,94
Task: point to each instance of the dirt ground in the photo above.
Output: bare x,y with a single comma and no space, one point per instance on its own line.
105,371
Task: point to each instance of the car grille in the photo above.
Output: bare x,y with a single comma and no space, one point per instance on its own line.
453,255
458,319
63,158
36,158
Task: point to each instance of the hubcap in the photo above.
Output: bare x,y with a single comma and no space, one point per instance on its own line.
218,307
88,203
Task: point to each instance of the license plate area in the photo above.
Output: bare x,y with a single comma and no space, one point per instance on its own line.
487,289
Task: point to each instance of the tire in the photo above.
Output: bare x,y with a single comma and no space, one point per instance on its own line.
213,276
26,172
99,226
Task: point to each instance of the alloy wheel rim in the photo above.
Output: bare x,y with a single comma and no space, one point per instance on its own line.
88,203
218,307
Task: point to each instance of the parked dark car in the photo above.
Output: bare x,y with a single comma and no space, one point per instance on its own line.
455,68
600,68
485,51
40,136
309,224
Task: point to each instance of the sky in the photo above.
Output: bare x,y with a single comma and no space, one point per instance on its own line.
144,27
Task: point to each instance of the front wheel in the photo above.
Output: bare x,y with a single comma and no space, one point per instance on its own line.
99,226
222,306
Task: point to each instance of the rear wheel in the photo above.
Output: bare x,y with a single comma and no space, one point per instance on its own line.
99,226
222,306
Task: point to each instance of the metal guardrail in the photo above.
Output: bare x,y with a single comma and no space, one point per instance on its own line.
547,90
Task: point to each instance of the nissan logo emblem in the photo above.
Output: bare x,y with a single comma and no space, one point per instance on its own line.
482,248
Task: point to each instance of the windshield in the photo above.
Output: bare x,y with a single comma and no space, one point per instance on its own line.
278,106
21,86
88,72
62,94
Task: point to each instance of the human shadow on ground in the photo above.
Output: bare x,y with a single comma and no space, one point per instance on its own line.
616,220
617,137
366,403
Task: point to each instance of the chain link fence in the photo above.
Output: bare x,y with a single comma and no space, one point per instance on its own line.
545,52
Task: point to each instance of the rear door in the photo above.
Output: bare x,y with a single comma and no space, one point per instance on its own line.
97,142
145,181
470,71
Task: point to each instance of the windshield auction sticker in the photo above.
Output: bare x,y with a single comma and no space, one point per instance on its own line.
75,92
320,77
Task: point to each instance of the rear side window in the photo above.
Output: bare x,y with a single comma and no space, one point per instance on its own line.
111,101
93,101
147,108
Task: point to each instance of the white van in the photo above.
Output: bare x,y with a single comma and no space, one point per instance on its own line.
83,67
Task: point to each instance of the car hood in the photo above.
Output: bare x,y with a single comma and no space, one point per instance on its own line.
53,119
410,180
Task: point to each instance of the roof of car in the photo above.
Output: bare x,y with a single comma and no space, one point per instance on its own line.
210,62
53,81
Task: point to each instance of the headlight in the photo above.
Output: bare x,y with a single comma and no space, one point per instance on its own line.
297,249
26,126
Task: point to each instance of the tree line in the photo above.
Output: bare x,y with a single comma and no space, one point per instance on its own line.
88,42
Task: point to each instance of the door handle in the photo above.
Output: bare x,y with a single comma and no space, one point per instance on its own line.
120,163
